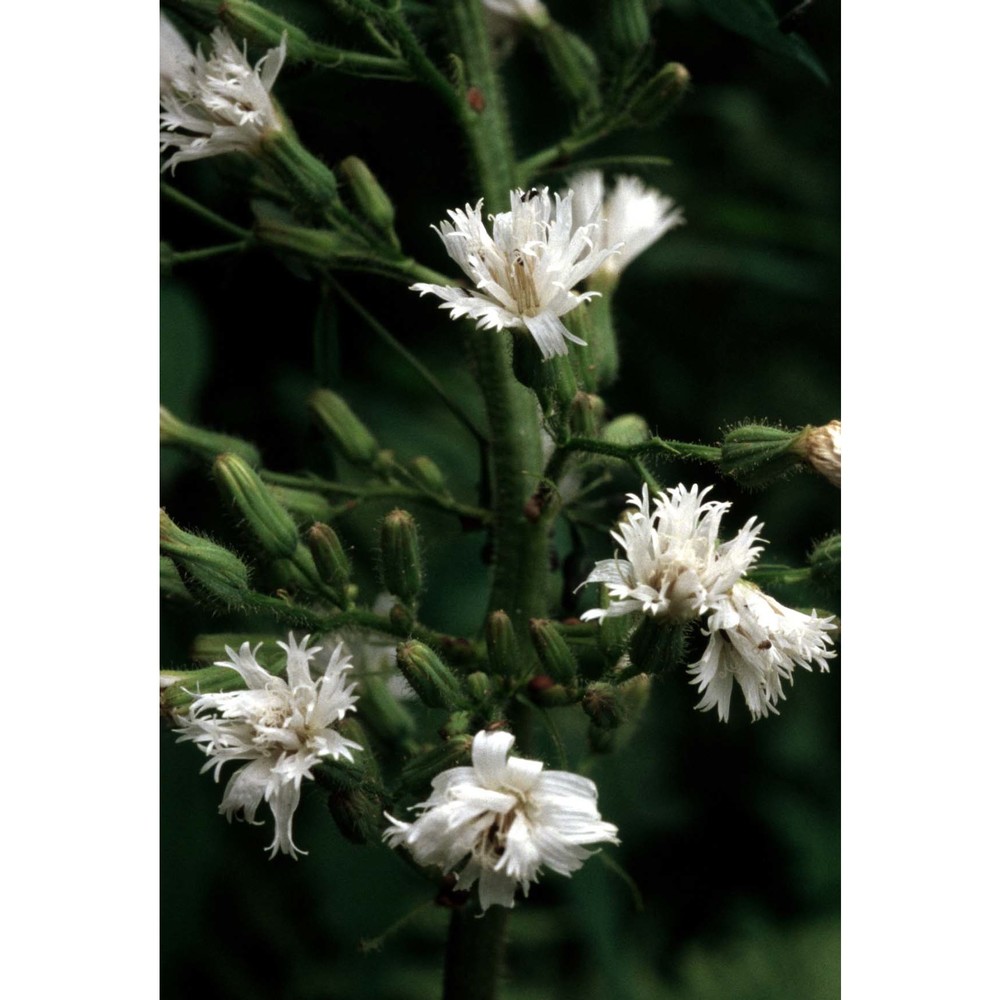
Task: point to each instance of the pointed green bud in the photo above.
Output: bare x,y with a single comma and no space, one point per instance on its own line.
297,574
328,554
573,65
824,561
319,246
269,522
586,415
358,813
480,687
756,455
434,683
384,714
205,567
653,100
305,506
419,771
626,430
400,562
426,472
336,419
629,24
600,702
201,442
501,646
557,660
656,646
371,199
171,585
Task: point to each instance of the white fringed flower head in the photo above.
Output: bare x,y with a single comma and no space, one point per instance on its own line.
523,274
282,727
674,568
505,818
822,450
216,105
757,642
632,215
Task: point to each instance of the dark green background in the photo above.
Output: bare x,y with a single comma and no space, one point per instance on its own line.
731,832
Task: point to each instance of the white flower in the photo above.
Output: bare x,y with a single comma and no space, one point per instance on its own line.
517,10
675,567
282,728
505,818
822,450
523,274
632,216
758,642
215,105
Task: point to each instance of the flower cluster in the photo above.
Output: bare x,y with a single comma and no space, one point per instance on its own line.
505,818
281,726
216,105
525,271
677,570
632,216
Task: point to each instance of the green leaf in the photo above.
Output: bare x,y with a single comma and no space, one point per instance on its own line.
756,20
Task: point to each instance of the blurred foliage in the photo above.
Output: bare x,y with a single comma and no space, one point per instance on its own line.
730,832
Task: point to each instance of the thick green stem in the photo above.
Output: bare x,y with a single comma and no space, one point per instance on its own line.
475,953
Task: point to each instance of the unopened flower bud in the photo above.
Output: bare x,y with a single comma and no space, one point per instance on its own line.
255,23
586,415
824,560
600,702
629,23
309,181
434,683
458,724
328,554
270,523
305,506
400,563
501,646
384,714
658,96
336,419
626,430
420,770
205,443
204,566
358,813
755,454
573,63
820,447
321,246
557,660
426,472
371,199
479,686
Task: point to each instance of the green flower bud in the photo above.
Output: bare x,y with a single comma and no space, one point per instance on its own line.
614,714
434,683
420,770
371,199
573,64
336,419
458,724
321,246
205,567
328,554
558,386
653,100
656,646
358,813
309,181
479,686
400,565
824,561
557,660
426,472
255,23
586,415
600,702
629,25
270,523
501,646
626,430
387,718
201,442
756,455
304,505
171,585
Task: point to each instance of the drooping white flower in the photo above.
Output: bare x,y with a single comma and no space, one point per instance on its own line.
524,273
675,567
503,819
216,105
632,215
281,726
757,642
